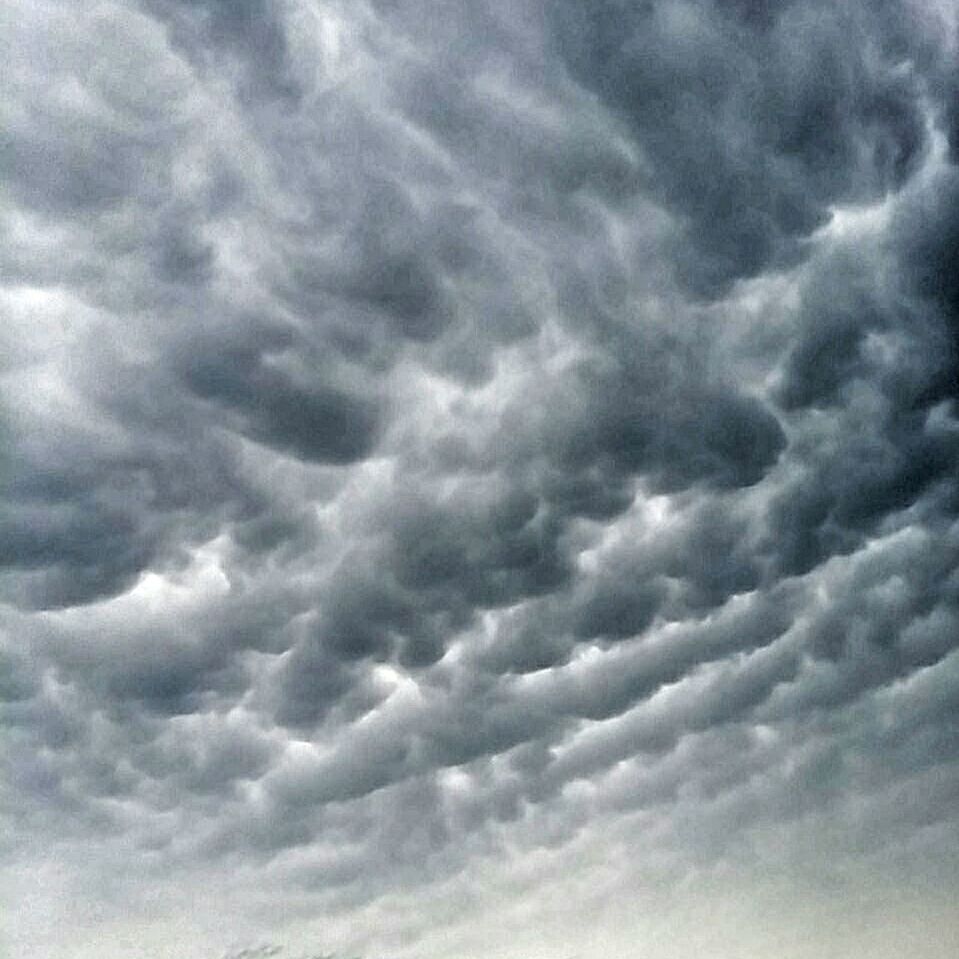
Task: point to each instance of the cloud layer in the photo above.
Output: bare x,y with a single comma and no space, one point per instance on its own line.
464,457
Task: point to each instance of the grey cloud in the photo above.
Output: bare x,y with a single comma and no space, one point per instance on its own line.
315,421
445,439
605,413
928,234
86,515
840,309
753,124
251,31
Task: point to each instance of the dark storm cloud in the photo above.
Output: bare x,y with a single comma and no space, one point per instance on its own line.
881,354
317,422
432,430
928,243
250,31
754,121
81,521
625,413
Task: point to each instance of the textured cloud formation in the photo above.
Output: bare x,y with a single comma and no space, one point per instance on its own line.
472,466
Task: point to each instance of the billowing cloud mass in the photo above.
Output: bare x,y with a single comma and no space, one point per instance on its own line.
479,478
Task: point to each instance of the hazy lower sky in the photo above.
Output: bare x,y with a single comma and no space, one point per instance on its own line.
480,479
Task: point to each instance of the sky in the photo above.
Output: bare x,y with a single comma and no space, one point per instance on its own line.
479,479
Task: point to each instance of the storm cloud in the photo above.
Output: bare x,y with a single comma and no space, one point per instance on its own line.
470,466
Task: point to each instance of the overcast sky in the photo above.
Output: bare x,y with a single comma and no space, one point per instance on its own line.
480,478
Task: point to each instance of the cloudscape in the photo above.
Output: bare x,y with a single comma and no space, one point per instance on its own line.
479,479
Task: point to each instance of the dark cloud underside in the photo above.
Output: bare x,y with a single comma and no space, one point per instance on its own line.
452,451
